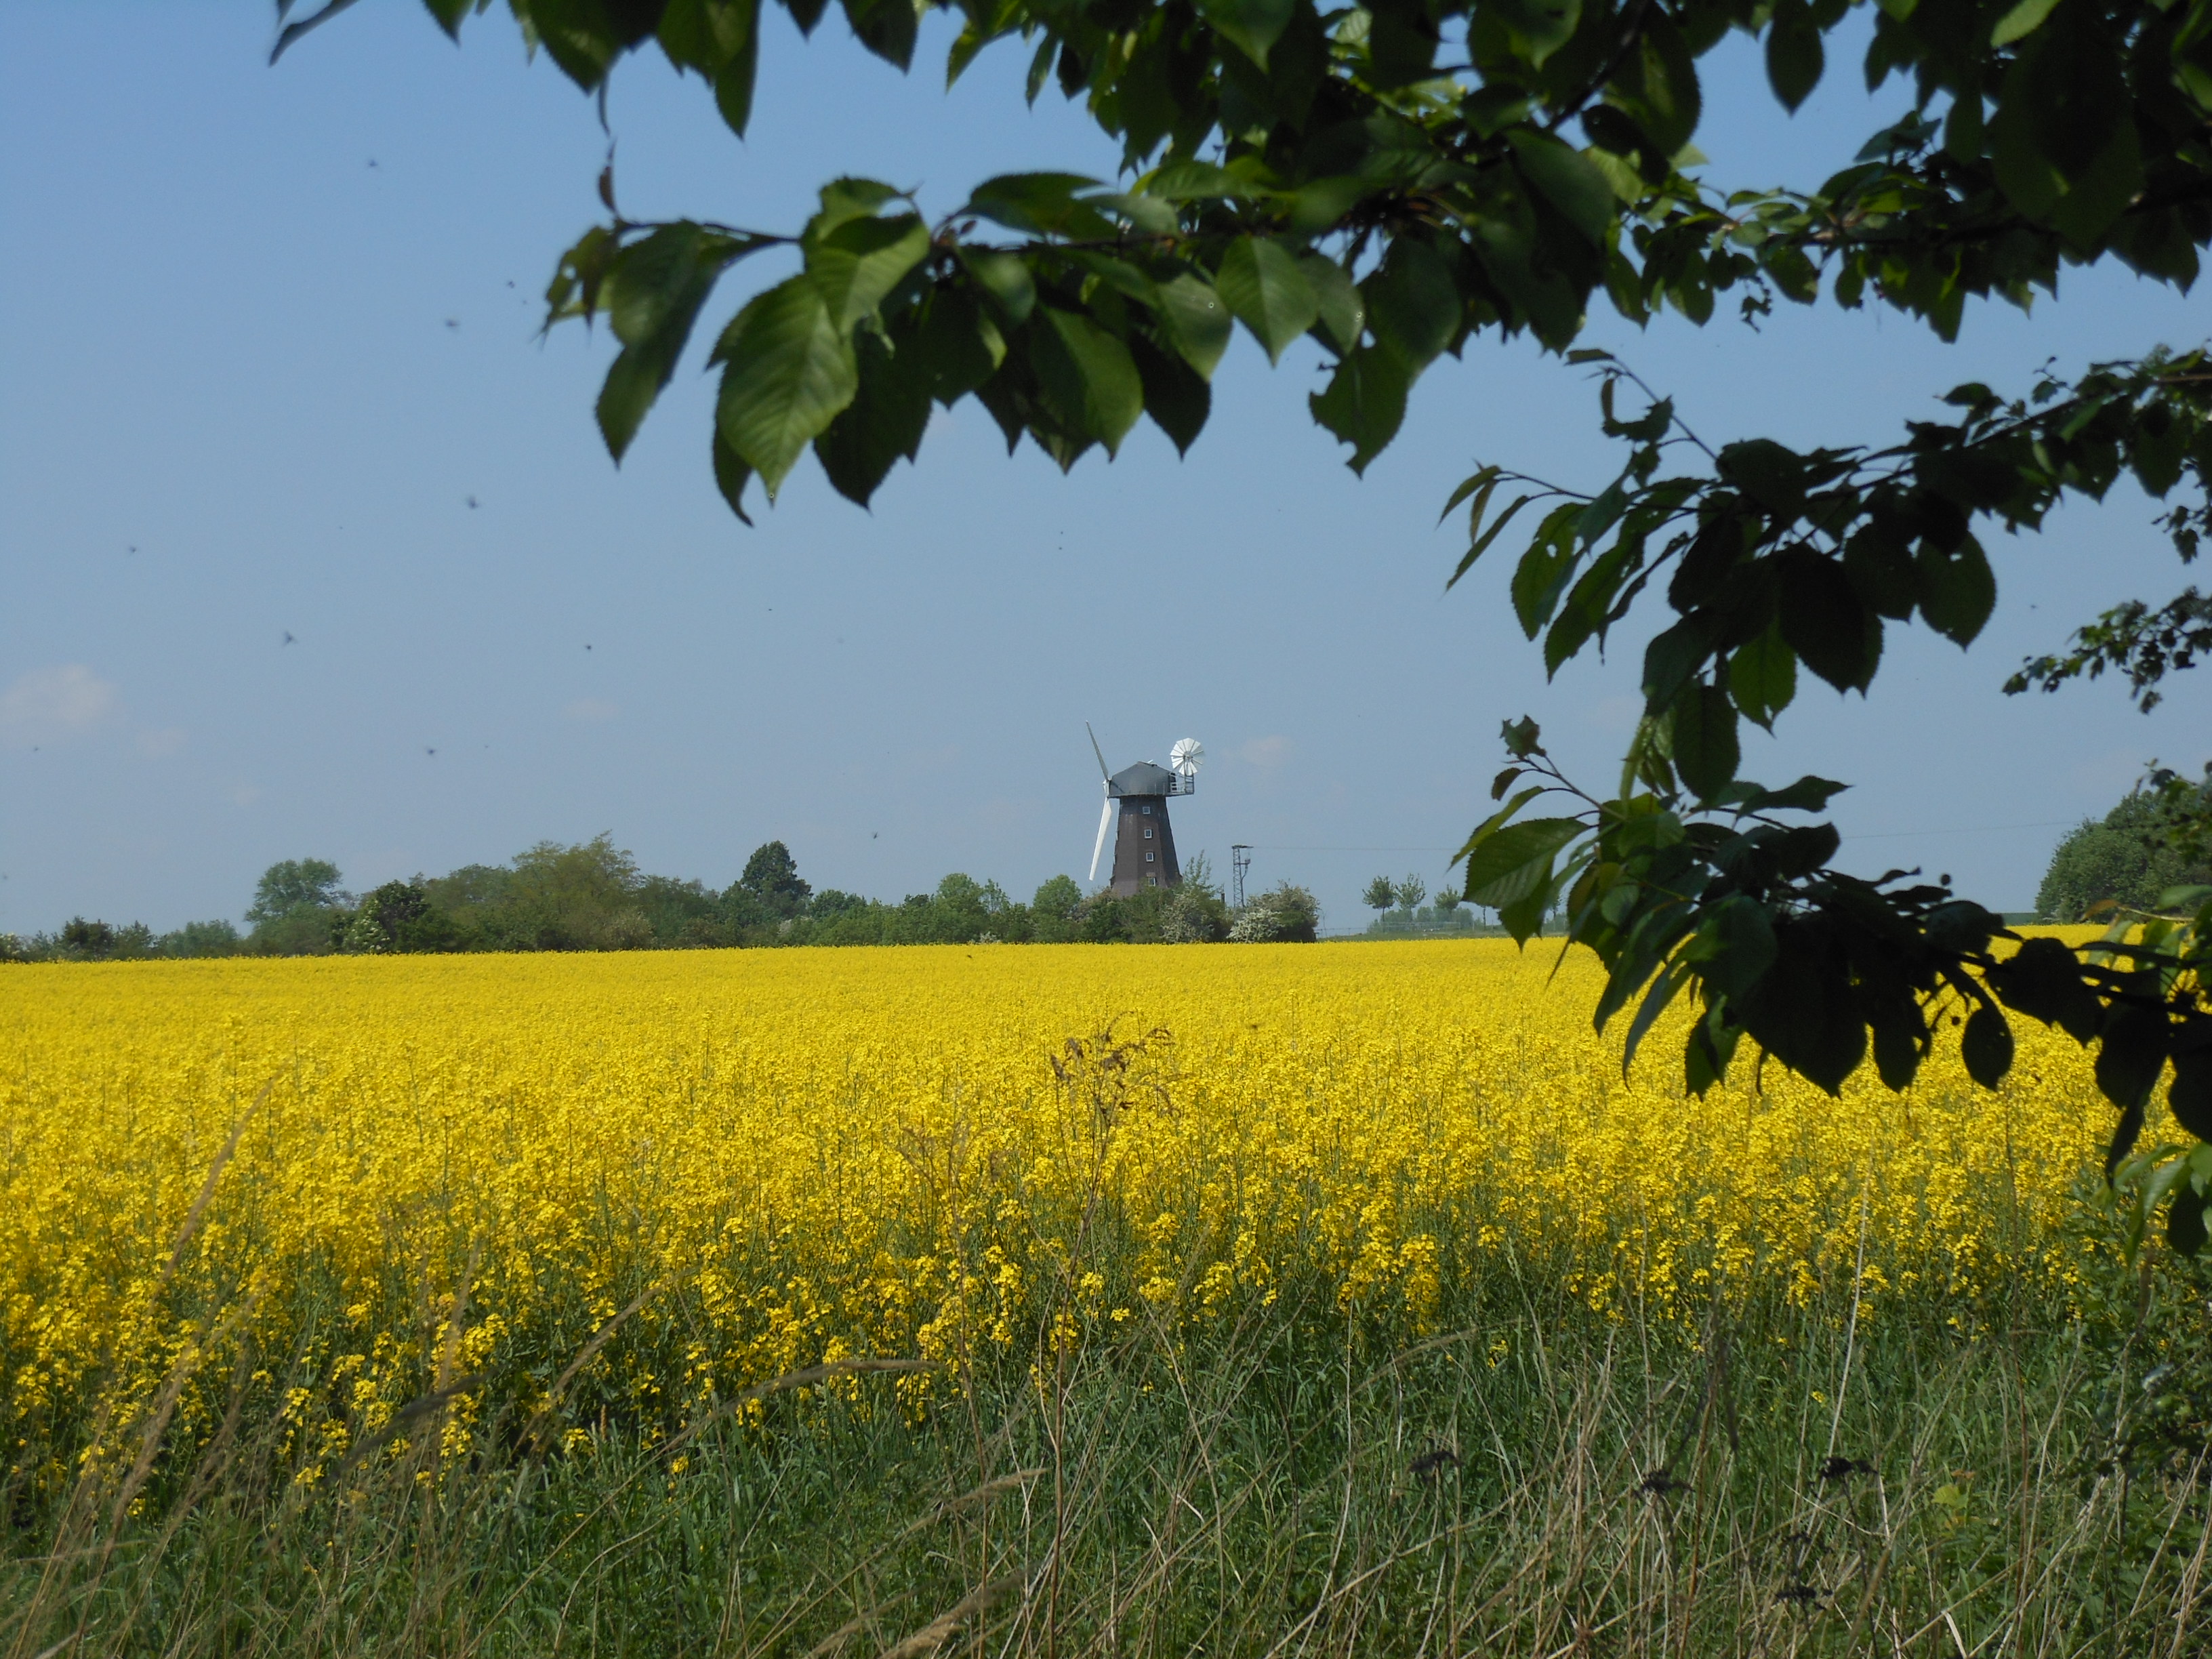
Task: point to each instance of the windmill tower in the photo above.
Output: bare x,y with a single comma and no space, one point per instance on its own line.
1136,816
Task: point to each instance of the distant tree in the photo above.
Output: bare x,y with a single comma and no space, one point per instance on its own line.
87,941
1379,894
1194,914
1447,898
582,897
1285,915
960,911
1057,898
292,886
201,939
1410,891
400,917
681,914
831,903
772,877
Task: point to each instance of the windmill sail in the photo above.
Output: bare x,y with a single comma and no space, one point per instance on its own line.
1105,822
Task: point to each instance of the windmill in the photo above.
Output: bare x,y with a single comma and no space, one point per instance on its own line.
1136,815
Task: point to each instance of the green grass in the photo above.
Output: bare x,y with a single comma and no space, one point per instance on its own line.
1533,1481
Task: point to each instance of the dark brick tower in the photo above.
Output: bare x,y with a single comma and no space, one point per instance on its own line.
1144,843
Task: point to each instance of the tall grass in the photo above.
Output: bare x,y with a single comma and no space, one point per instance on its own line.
1537,1481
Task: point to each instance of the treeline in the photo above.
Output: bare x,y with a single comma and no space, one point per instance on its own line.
593,897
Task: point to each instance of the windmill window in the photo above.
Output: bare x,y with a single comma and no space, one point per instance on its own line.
1148,832
1148,857
1146,810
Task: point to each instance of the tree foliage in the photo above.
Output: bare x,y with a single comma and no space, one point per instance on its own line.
1393,179
2129,858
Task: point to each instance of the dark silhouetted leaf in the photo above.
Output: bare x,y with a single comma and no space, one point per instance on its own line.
1763,678
1794,54
1706,749
1957,591
1986,1046
1365,402
2131,1054
1821,617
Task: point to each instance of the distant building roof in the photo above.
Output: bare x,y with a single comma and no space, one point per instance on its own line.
1142,779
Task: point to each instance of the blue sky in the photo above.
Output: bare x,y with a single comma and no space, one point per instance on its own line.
268,368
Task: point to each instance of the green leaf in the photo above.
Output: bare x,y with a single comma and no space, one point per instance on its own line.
862,260
734,85
2020,21
1510,862
1365,402
1537,27
1546,568
1900,1040
1821,617
885,27
1149,215
961,348
731,474
2131,1054
1039,204
1657,83
1191,311
1343,308
1664,987
653,292
1005,277
888,413
1567,179
1957,590
1986,1046
791,370
1176,396
1253,26
1704,746
1771,475
1794,56
2190,1096
1261,283
584,37
1735,946
2185,1220
1412,304
1808,794
2043,980
1089,383
1763,678
1802,1011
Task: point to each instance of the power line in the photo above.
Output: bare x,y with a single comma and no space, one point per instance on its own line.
1260,847
1976,830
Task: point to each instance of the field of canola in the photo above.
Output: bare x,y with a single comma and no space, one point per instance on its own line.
784,1157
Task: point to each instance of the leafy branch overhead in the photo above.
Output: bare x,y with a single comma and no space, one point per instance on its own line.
1390,179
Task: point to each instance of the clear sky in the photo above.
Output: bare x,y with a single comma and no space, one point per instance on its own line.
310,548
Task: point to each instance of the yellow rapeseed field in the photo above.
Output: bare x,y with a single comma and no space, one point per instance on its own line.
783,1157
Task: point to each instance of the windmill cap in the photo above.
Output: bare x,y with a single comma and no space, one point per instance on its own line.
1142,779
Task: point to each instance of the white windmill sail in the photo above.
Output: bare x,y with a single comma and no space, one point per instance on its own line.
1105,822
1106,813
